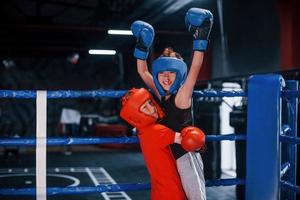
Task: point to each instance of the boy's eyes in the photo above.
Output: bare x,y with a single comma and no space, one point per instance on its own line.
151,103
144,107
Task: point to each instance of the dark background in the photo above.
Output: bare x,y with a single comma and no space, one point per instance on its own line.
39,37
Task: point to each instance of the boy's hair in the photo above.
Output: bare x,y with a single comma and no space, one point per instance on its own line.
131,103
169,52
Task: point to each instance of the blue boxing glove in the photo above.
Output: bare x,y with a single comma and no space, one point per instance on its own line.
144,33
199,22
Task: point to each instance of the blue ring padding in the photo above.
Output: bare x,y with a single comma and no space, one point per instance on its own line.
109,188
289,139
289,186
108,140
63,94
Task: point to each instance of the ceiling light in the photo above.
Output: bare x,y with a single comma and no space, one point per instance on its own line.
119,32
102,52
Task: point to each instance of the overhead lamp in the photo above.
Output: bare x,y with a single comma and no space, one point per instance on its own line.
119,32
102,52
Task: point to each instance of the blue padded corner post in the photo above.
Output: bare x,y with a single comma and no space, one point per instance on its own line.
263,130
289,153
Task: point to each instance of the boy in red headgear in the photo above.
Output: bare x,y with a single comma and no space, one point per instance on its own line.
141,111
174,87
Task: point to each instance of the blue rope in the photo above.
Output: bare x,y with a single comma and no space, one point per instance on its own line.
224,182
78,190
289,139
55,94
231,137
107,188
70,141
290,94
289,186
59,94
102,140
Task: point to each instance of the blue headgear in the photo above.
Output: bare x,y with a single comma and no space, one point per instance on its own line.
169,64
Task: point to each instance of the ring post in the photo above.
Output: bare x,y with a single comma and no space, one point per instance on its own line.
263,130
290,151
41,145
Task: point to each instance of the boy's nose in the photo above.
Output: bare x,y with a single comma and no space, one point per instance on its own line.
151,109
166,74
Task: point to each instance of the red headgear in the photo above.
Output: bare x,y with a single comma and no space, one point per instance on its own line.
131,104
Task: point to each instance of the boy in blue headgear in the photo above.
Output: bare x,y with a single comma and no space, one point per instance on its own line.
174,88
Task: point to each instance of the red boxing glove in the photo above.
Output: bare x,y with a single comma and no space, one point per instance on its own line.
193,139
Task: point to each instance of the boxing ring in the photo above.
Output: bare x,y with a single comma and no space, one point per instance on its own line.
268,140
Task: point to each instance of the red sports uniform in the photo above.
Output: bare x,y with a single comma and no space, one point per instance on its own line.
155,140
165,182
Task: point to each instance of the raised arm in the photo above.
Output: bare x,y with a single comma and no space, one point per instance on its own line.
144,73
199,23
188,86
144,34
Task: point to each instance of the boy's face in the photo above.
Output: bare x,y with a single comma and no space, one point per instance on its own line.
149,109
166,79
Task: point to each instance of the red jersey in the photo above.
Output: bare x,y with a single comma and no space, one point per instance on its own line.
165,181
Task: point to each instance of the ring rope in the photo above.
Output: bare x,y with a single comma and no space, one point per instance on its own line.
60,94
290,94
69,141
219,93
232,137
78,190
108,188
289,186
56,94
224,182
290,139
117,94
102,140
